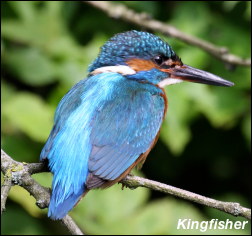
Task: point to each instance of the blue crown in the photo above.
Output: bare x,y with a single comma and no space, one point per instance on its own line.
130,44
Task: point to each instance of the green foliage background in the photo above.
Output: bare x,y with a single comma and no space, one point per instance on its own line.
204,146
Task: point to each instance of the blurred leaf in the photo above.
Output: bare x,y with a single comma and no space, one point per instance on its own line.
15,221
74,60
22,151
101,208
30,114
248,11
199,57
220,105
246,128
25,10
150,7
31,66
175,130
23,198
187,20
45,179
229,5
175,134
7,91
71,72
44,25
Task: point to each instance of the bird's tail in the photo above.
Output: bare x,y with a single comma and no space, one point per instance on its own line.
59,207
67,151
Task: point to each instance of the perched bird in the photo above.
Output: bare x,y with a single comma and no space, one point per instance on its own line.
108,123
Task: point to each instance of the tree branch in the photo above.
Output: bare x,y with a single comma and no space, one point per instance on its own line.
20,174
71,225
232,208
119,11
5,188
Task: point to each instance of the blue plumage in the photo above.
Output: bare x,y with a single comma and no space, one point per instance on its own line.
135,107
107,123
131,44
93,130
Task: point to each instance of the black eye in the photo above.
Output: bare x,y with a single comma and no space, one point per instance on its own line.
159,59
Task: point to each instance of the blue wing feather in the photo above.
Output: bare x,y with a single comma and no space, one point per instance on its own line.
125,128
101,126
67,150
68,146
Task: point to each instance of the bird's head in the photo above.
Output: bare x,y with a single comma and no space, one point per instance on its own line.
146,58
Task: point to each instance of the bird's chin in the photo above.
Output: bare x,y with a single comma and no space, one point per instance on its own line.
169,81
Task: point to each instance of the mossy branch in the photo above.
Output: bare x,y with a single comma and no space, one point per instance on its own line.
19,173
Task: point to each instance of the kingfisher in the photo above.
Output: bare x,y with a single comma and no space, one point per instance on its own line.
108,122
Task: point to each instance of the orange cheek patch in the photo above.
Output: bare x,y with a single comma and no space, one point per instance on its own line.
141,65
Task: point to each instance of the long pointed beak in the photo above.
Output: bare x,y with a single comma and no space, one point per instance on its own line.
191,74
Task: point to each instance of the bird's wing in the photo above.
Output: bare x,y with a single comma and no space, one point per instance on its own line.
68,104
101,127
68,147
124,129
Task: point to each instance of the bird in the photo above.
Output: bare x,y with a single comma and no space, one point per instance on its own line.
108,122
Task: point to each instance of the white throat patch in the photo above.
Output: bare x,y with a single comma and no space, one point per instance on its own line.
124,70
169,81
